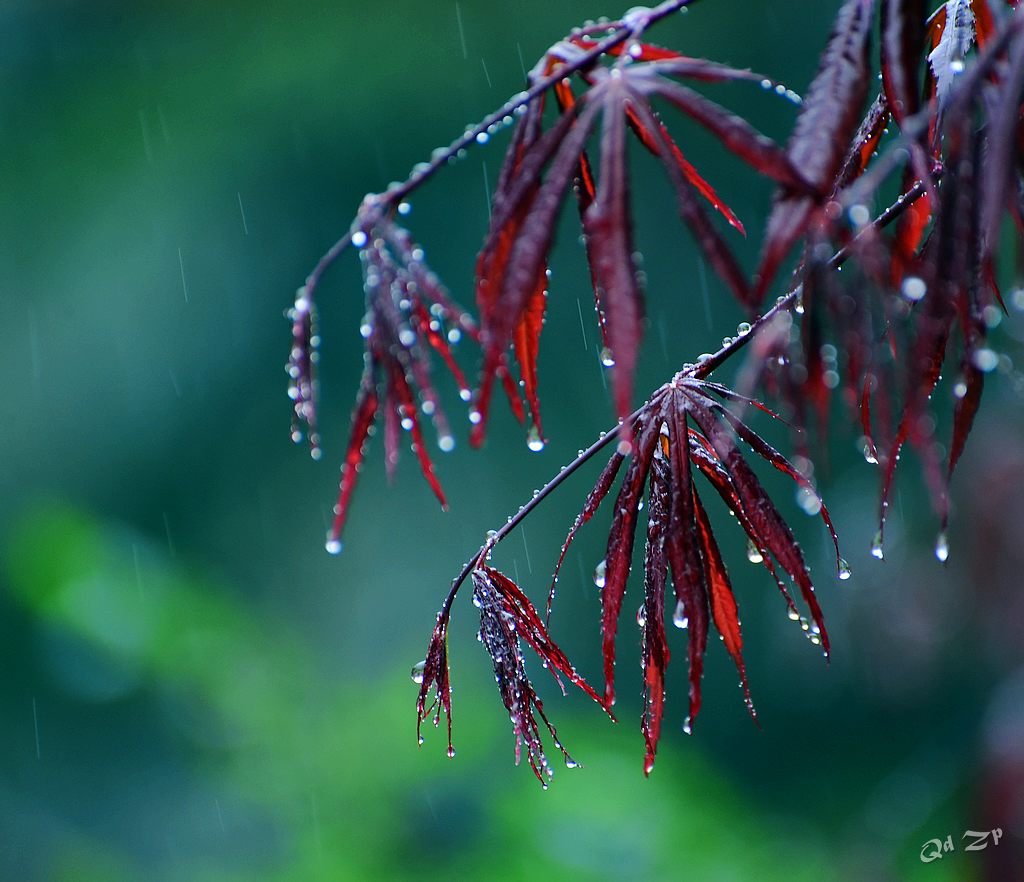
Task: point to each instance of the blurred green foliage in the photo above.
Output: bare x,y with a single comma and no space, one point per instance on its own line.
192,689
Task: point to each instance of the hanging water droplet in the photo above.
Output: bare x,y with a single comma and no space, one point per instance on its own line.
794,616
359,238
753,553
679,617
607,359
688,726
599,571
844,569
446,443
534,440
451,753
942,547
333,546
641,615
417,671
876,546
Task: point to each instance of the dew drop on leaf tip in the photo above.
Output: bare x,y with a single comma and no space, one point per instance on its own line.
753,553
877,551
844,570
534,441
417,675
679,617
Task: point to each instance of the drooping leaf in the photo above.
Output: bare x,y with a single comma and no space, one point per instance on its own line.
507,617
827,123
902,40
608,226
408,315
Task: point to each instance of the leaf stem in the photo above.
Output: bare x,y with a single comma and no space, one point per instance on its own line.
513,522
704,368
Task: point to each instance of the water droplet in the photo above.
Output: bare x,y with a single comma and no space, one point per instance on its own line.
641,615
985,360
333,546
844,569
607,359
942,547
446,443
404,208
534,440
876,546
808,500
417,671
914,288
599,572
451,753
742,329
688,726
359,238
753,553
679,617
475,416
465,394
794,616
859,215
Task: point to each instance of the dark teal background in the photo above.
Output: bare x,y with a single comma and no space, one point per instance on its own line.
192,689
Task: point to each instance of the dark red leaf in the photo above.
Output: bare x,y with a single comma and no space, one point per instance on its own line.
607,225
708,239
619,554
724,611
362,419
734,133
902,41
655,645
590,506
823,133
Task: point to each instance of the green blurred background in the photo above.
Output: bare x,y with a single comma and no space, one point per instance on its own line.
192,689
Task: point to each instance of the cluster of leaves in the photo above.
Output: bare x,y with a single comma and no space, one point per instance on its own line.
918,284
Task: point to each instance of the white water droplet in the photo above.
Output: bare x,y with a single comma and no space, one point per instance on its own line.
417,671
534,440
753,554
359,238
844,570
333,546
607,359
942,547
599,572
913,288
985,360
876,546
679,617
